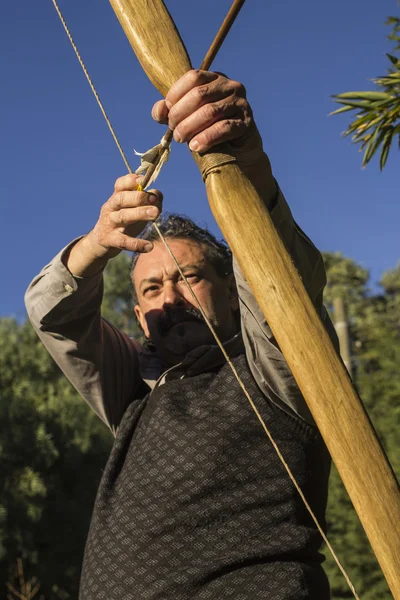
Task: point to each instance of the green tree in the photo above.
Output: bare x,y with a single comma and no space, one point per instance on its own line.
377,122
375,326
52,451
345,279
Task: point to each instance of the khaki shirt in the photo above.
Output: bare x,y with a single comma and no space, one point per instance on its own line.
107,367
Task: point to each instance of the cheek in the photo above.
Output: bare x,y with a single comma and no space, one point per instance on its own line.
213,298
205,294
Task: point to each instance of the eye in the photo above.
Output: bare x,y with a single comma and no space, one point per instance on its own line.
150,290
192,277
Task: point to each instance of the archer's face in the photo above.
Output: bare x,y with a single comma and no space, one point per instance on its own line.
166,309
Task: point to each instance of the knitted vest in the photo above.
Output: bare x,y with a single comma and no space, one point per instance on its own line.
194,502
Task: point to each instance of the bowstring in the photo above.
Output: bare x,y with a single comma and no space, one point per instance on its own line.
207,320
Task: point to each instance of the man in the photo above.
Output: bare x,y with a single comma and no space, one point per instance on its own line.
194,502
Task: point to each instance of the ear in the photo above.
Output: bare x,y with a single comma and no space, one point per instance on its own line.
142,320
233,293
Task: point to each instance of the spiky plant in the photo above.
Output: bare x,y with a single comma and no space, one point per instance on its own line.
377,122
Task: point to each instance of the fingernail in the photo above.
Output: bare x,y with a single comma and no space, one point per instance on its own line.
194,146
156,114
151,212
148,247
177,136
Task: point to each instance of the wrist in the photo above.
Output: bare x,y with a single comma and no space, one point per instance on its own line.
87,257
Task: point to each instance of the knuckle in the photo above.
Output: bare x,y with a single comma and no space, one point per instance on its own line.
239,89
121,241
131,181
206,138
212,111
122,217
117,184
193,76
105,209
135,244
127,182
241,103
202,91
118,200
223,127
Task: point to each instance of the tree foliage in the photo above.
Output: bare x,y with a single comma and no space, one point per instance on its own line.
52,450
377,122
375,327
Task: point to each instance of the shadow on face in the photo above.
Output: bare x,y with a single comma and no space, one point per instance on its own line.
166,308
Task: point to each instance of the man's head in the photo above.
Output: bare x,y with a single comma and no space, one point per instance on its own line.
165,308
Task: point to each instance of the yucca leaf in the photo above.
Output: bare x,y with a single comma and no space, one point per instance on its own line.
394,59
376,117
372,147
359,126
363,104
373,144
387,141
361,96
341,110
365,141
392,21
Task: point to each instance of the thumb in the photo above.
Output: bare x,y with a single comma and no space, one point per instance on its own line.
160,112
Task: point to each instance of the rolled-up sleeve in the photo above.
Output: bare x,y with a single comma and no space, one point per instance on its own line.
266,361
100,361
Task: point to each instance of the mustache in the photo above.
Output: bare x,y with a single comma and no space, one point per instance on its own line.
174,316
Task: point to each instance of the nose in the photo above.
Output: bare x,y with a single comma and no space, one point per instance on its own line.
173,295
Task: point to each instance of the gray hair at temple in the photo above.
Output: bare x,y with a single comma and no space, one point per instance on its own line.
173,226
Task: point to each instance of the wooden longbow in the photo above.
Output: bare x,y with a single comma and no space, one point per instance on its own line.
272,276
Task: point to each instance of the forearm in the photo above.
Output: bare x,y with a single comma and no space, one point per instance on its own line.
65,312
86,258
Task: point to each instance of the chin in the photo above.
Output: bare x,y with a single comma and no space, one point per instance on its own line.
183,338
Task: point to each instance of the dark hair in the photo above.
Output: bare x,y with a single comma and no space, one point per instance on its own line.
174,226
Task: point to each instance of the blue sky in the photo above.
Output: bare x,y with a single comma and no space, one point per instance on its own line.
58,161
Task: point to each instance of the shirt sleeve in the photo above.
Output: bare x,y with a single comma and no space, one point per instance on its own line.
100,361
266,361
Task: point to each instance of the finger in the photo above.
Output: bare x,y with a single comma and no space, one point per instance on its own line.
196,98
128,216
127,182
222,131
129,199
207,115
191,79
124,242
160,112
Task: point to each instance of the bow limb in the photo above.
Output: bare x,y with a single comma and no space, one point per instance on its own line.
247,226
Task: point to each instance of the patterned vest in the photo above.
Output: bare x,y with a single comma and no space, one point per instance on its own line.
194,502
